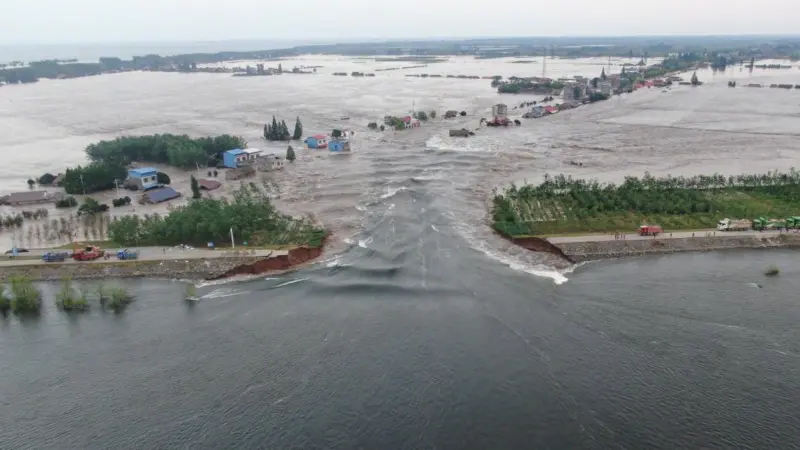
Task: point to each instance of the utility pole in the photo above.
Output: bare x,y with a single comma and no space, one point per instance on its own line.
82,186
544,63
233,244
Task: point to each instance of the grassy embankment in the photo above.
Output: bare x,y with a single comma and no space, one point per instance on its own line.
563,206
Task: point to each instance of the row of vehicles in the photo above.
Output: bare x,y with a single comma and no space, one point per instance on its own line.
88,253
758,224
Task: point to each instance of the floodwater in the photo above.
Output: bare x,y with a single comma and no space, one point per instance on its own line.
420,329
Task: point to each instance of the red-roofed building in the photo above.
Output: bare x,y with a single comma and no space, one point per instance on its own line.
411,122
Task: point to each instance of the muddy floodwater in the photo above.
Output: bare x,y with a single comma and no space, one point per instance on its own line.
420,328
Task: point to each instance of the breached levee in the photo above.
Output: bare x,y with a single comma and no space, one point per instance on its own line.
193,268
540,245
296,256
590,250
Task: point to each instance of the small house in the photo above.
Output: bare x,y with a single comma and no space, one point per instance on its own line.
142,179
30,198
208,185
317,141
250,155
500,111
269,162
339,145
411,122
550,109
234,158
159,196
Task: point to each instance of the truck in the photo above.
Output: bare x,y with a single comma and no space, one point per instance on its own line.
126,254
88,253
793,222
650,230
55,256
734,224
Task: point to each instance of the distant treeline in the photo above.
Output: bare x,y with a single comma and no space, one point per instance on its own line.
709,47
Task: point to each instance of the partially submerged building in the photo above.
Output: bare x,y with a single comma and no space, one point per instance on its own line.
269,162
208,185
317,141
142,179
239,157
30,198
339,145
159,195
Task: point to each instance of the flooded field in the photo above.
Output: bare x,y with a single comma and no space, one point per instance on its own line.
683,130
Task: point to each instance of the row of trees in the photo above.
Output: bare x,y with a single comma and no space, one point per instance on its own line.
98,176
249,214
176,150
278,131
521,210
63,229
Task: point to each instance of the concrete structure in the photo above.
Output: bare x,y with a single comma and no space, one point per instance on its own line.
339,145
30,198
269,162
231,158
604,87
239,157
143,178
568,94
317,141
500,111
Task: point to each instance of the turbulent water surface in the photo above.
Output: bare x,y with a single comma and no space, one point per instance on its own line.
420,329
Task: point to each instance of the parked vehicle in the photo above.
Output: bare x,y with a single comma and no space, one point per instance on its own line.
19,250
793,222
127,255
734,224
650,230
55,256
88,254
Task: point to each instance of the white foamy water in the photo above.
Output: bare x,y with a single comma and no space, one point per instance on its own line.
45,127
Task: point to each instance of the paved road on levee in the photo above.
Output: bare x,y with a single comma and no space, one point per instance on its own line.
145,254
673,235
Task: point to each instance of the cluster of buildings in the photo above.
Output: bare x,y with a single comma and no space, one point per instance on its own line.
338,144
252,157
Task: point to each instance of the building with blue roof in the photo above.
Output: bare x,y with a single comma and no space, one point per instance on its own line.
232,158
143,178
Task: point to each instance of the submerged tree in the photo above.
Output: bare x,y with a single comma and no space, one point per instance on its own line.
290,156
195,187
298,130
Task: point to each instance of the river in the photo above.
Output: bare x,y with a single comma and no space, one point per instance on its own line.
419,329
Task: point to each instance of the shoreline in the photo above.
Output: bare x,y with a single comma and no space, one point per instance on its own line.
578,249
168,267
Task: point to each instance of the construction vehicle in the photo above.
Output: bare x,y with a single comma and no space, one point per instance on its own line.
55,256
126,254
650,230
89,253
793,222
734,224
760,223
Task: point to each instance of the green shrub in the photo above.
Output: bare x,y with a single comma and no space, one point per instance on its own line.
25,298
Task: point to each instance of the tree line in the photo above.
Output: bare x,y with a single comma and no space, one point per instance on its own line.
526,209
176,150
278,131
249,213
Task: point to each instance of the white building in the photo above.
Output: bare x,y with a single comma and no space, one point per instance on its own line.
604,87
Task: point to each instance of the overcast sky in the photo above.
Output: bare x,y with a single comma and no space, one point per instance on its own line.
79,21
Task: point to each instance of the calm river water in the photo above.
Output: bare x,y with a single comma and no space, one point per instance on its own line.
419,329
